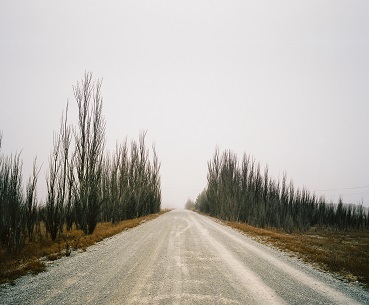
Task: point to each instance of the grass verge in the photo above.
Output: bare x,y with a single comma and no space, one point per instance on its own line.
28,260
345,254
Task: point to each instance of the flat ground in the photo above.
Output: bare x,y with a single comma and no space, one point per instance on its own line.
181,258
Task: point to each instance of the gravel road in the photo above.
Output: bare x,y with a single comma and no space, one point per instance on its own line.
181,258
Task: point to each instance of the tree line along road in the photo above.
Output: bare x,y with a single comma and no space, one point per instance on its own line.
181,258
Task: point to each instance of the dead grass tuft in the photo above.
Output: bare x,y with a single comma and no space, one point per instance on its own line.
343,253
12,269
28,259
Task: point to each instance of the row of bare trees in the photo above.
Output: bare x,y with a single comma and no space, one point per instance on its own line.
241,191
18,211
130,182
85,184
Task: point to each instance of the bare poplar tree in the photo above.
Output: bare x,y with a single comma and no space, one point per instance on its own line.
114,186
11,198
133,182
53,213
155,183
212,192
123,180
71,195
58,179
63,192
90,141
31,201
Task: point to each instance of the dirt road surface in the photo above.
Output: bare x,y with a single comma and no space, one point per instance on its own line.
181,258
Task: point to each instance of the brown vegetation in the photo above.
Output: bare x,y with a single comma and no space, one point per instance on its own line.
28,260
343,253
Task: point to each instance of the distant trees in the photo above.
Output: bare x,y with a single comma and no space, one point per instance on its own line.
243,192
85,184
201,202
190,205
130,182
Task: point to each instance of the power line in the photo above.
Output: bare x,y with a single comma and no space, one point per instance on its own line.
348,194
366,192
344,188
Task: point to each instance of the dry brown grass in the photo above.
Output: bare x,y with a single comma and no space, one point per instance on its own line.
343,253
28,260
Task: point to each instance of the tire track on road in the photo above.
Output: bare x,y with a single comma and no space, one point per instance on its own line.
314,284
258,290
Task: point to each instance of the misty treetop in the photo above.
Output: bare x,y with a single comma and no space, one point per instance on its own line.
243,192
85,184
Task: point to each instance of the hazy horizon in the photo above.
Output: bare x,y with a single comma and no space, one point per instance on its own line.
285,82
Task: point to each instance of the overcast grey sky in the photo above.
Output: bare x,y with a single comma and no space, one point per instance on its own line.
285,81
